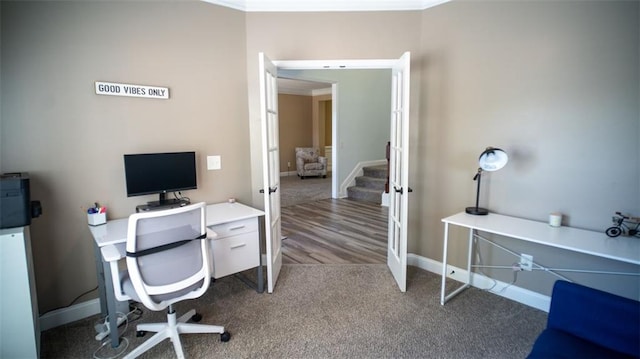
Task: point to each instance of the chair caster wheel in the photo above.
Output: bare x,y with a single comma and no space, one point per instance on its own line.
224,337
140,333
196,317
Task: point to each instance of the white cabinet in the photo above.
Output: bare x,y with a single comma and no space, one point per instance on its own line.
236,246
19,318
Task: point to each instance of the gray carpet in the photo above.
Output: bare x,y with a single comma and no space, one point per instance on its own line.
295,190
335,311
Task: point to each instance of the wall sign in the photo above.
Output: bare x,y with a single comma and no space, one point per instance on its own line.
115,89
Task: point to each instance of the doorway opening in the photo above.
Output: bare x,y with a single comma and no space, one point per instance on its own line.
305,121
398,155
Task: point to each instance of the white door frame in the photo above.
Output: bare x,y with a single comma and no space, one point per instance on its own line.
390,64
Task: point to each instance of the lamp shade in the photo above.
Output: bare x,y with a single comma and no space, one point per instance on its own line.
493,159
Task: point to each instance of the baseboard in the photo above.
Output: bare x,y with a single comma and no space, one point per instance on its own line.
518,294
70,314
384,201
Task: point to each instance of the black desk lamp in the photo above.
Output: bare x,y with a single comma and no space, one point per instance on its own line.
492,159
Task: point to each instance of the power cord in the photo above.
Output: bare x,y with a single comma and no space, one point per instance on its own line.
72,302
179,196
124,342
103,331
481,271
514,266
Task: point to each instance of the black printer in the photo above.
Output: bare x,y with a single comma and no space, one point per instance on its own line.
16,207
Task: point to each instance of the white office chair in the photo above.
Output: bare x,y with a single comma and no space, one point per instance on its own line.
168,260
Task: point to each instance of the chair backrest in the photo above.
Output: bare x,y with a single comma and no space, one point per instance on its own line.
168,255
309,154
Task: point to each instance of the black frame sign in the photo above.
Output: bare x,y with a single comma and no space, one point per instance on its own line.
128,90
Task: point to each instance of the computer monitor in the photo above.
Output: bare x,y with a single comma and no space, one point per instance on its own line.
151,173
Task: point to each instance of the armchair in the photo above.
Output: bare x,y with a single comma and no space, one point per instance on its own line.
310,163
168,261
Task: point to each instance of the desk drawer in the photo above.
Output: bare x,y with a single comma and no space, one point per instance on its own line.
235,254
236,227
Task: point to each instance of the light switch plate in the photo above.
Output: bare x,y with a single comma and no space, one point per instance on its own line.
214,163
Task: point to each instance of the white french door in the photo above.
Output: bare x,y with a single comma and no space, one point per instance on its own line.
399,171
271,167
399,157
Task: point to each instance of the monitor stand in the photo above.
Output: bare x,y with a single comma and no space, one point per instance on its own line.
162,204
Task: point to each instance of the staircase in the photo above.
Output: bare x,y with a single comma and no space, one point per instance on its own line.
370,186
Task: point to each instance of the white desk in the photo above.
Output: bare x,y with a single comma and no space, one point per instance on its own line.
623,249
232,222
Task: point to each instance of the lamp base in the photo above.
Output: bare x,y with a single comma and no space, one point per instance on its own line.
477,211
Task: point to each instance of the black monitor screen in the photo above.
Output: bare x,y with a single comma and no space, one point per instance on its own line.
150,173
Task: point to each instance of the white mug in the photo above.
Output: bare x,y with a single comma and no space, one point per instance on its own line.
555,219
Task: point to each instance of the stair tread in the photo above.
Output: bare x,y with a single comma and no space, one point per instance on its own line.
375,171
373,178
358,188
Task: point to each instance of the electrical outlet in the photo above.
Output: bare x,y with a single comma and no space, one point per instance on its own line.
526,262
288,164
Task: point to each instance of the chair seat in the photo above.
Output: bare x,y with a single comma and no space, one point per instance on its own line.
313,166
127,288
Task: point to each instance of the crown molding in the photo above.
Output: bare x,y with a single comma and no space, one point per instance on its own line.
326,5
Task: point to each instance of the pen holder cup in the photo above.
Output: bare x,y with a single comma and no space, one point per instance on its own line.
96,219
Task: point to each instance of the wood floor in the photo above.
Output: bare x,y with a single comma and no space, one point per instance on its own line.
334,231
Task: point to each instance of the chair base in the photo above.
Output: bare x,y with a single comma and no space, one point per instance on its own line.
172,330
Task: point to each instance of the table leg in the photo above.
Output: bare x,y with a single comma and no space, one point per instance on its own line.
443,296
261,240
470,254
444,263
111,306
102,294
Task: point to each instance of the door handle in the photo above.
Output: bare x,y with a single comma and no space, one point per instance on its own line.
271,190
401,190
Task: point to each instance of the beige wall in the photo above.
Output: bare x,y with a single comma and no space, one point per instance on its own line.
295,127
553,83
72,141
326,117
308,36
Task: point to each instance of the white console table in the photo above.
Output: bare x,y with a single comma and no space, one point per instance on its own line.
236,248
623,249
